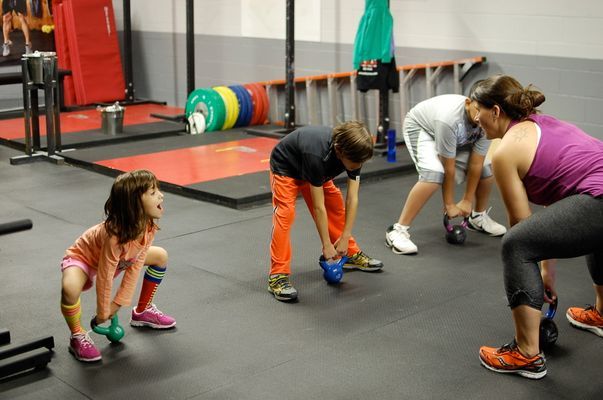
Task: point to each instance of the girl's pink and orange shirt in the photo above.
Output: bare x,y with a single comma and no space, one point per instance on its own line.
100,251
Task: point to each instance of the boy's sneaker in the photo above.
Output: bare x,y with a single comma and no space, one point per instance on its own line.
483,223
82,347
152,318
362,262
28,49
586,318
398,238
281,288
5,49
508,360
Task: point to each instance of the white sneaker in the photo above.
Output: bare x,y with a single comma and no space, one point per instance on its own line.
5,49
398,238
28,49
483,223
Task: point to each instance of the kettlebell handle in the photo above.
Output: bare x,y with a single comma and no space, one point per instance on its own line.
550,312
449,226
94,324
339,262
104,330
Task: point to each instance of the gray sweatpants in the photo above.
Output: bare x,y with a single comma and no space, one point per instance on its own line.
569,228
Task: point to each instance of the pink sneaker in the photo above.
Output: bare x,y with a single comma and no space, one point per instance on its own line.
82,347
152,317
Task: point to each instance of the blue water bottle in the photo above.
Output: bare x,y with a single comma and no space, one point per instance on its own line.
391,145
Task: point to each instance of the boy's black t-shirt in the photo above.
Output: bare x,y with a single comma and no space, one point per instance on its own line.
307,154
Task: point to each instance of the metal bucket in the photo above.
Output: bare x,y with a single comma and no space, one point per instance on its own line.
49,63
112,118
35,65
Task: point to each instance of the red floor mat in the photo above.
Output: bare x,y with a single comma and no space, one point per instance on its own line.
84,120
202,163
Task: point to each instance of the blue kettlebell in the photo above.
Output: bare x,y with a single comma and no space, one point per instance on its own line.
548,329
332,271
113,332
455,234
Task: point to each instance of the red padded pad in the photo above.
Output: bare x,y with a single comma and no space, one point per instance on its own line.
94,49
63,57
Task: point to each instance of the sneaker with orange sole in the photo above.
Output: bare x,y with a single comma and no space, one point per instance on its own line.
508,360
586,318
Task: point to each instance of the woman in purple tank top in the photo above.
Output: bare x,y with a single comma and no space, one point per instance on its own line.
549,162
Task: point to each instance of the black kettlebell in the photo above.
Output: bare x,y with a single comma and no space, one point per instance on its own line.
548,328
455,234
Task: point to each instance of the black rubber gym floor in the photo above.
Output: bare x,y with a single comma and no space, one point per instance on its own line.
410,332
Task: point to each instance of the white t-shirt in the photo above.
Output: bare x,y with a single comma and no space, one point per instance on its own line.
444,118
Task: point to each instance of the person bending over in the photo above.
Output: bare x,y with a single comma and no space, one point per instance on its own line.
447,147
549,162
306,161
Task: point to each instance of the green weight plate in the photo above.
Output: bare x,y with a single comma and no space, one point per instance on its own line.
209,103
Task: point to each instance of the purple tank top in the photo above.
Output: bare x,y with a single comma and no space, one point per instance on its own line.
567,162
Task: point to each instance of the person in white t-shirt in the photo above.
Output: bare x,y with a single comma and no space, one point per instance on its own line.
447,147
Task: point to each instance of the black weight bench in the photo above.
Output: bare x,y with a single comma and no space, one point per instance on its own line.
16,358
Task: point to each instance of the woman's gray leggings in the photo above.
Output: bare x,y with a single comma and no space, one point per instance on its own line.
569,228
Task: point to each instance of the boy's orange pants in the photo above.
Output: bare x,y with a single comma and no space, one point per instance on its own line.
284,194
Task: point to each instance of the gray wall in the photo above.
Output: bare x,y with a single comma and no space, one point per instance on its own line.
554,44
11,96
573,86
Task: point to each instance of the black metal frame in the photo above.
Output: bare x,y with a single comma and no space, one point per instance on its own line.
128,70
18,358
130,91
50,86
383,127
289,69
190,49
290,110
190,61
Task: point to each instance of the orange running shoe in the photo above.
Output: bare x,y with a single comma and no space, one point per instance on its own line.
586,318
508,360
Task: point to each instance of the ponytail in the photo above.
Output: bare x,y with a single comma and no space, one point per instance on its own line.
523,103
506,92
